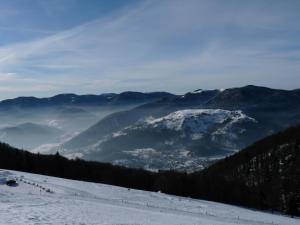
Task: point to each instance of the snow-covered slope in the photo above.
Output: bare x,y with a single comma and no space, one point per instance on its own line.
184,140
76,202
199,120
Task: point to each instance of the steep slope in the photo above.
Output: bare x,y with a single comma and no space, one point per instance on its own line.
109,124
75,202
265,175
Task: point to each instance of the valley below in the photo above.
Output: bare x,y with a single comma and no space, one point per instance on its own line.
153,131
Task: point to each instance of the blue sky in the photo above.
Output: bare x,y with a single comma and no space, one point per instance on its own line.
92,46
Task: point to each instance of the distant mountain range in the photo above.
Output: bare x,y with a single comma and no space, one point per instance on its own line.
111,99
156,130
64,114
139,137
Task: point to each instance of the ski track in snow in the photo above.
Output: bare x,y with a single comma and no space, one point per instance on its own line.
84,203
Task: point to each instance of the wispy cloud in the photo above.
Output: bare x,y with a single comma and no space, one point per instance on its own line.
164,45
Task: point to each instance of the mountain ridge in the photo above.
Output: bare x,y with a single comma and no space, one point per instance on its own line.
256,102
87,99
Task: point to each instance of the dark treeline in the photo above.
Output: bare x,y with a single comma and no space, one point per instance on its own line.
265,175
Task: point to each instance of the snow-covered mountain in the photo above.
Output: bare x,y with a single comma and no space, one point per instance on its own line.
185,139
198,121
41,199
168,131
206,125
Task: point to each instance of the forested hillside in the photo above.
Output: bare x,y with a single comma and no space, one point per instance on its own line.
265,175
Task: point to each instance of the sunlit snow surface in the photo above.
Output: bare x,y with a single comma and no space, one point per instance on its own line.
199,120
75,202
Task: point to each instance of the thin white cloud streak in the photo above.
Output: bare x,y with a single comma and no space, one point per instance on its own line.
163,45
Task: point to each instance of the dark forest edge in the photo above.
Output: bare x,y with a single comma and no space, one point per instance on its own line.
265,175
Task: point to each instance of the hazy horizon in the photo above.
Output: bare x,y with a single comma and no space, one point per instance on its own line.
178,93
81,47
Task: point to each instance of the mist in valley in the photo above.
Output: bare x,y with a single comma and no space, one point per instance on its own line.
42,130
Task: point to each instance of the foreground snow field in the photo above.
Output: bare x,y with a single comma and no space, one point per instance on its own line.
76,202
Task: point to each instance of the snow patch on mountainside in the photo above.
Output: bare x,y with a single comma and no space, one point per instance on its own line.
198,91
143,152
119,133
185,140
199,120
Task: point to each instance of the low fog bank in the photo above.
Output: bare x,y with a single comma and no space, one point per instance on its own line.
42,129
